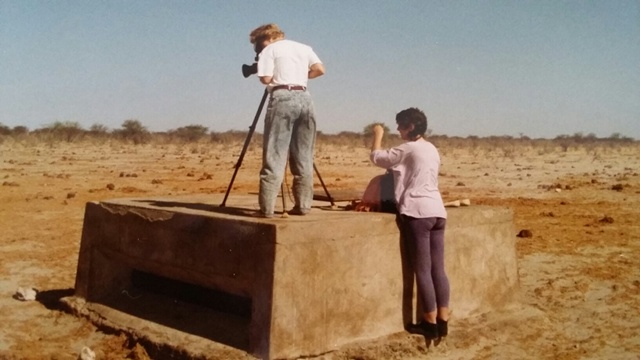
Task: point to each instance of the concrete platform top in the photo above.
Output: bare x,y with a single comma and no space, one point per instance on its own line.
244,207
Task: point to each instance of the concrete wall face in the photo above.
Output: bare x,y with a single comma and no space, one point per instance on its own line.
315,282
333,283
480,258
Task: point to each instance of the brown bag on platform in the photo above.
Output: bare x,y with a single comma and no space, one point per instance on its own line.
379,195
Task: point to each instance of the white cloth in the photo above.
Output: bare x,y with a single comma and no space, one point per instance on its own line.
415,166
288,62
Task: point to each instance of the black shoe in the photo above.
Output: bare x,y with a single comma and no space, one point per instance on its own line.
443,327
424,328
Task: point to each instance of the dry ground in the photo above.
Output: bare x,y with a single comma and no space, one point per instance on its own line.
579,272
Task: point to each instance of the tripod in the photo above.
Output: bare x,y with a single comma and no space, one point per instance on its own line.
252,129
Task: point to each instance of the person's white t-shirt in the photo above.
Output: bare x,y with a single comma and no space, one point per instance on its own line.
288,62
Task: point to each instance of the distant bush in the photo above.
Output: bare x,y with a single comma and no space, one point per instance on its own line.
68,131
132,130
20,130
232,136
618,137
191,133
4,130
344,138
99,130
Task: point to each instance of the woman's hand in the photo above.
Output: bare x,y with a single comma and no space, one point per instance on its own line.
378,132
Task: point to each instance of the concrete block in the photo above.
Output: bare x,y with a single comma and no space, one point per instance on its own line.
310,283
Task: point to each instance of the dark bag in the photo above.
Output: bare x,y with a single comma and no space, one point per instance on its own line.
387,196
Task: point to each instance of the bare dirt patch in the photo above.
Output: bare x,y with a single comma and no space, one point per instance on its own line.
579,268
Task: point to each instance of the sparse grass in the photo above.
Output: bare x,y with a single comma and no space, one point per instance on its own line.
497,147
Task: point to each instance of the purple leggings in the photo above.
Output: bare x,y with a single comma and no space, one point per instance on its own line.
425,245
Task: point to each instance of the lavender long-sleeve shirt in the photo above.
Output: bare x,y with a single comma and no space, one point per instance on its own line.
415,166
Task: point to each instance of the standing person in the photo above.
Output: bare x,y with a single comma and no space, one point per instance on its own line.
415,165
285,66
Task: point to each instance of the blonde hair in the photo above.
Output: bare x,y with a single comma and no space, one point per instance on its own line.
265,32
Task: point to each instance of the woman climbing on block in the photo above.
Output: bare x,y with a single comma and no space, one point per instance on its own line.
415,165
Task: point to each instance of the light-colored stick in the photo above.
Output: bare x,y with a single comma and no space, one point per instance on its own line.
455,203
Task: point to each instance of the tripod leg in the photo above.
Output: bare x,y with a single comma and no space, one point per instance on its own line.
252,128
326,191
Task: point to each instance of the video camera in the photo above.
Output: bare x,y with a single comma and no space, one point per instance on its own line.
248,70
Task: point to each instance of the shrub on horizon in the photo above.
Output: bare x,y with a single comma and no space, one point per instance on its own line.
132,130
98,130
68,131
20,130
232,136
190,133
4,130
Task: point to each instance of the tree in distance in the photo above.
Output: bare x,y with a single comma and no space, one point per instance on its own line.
190,133
133,130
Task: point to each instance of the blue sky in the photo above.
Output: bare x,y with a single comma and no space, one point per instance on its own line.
538,68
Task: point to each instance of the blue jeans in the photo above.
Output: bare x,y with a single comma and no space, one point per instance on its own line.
289,130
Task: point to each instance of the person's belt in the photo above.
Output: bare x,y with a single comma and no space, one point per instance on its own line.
289,87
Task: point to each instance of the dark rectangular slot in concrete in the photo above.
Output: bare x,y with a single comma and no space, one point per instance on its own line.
215,300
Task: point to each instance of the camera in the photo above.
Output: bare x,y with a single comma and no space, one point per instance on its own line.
248,70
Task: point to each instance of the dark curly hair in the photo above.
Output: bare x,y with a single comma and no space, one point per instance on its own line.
413,116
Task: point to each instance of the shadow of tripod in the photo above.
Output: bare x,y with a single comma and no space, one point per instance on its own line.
252,129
